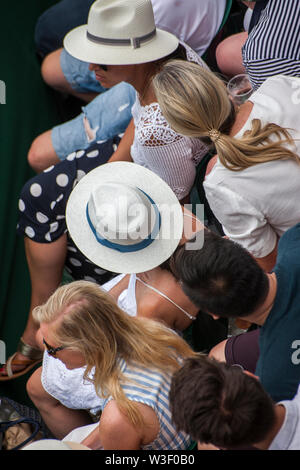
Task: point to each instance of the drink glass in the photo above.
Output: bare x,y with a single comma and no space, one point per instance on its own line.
239,88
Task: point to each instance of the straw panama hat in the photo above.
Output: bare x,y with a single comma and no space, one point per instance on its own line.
120,32
124,218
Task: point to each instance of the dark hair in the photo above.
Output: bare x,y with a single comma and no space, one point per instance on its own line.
217,403
179,53
168,264
222,277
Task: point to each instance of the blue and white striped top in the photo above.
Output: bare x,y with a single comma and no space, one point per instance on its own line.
152,388
273,45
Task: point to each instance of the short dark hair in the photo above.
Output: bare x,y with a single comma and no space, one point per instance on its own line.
217,403
222,277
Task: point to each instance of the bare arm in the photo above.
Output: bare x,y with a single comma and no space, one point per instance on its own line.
123,151
116,432
268,262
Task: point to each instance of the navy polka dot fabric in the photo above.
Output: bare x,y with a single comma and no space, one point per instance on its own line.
43,201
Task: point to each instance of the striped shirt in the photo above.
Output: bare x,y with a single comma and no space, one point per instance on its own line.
151,387
273,46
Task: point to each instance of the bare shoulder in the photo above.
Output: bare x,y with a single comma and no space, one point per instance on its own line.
159,309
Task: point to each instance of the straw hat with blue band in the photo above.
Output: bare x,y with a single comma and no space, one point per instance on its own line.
120,32
124,218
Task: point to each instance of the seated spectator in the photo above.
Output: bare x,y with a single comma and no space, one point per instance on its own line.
194,22
221,405
148,141
153,294
224,280
68,70
153,132
131,361
270,47
48,245
257,147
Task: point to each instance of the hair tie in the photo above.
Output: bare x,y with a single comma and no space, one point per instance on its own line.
214,135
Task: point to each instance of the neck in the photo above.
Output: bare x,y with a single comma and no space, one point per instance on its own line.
279,419
262,312
142,82
242,115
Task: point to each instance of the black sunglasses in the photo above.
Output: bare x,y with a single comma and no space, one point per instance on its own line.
52,351
103,67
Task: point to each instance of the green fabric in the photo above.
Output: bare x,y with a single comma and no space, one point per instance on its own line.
29,110
192,446
197,194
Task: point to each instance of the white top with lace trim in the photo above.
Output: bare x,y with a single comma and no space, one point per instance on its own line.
157,147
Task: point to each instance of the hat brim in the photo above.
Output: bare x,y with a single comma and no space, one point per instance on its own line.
79,46
158,251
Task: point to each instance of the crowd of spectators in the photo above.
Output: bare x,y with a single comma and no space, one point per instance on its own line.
171,333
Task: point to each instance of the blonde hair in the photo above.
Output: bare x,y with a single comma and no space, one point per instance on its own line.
84,318
195,102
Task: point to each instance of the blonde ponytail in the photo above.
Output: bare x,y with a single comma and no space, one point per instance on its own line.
255,146
195,102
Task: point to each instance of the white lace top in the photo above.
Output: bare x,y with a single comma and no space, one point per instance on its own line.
157,147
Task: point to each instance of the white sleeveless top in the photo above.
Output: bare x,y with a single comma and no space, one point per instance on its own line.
157,147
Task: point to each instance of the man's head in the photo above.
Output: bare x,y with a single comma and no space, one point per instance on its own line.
219,404
221,278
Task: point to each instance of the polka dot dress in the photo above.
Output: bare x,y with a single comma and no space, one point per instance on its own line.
43,201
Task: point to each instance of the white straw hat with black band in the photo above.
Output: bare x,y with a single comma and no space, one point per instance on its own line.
124,218
120,32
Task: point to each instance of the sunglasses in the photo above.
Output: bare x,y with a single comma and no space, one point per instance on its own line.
52,351
103,67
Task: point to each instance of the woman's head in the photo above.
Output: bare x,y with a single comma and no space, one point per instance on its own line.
120,32
86,321
83,319
110,75
195,102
